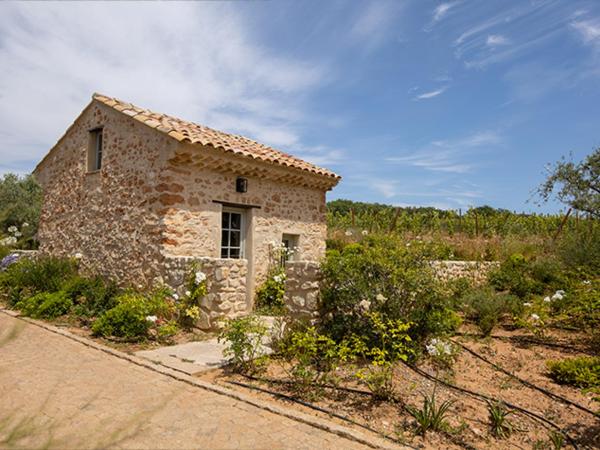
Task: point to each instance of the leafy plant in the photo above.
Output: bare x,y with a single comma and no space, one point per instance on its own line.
245,339
29,276
132,317
270,295
196,286
91,296
381,274
583,372
557,440
486,308
500,426
20,205
430,416
45,305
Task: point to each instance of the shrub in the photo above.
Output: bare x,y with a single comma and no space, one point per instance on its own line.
31,276
196,286
381,274
131,317
583,372
92,296
270,295
486,308
45,305
244,338
581,249
167,330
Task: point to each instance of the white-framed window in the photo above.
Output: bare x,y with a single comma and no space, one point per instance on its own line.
232,233
95,150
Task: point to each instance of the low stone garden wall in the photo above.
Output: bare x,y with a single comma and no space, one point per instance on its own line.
226,298
476,271
302,288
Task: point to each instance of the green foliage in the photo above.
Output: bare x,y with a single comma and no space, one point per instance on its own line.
244,338
430,416
500,426
380,274
196,286
312,357
486,308
523,278
270,295
129,319
577,184
583,372
45,305
167,330
91,296
30,276
389,343
20,203
581,249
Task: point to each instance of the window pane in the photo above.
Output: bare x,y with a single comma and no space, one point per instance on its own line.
235,238
223,253
225,220
224,238
236,221
234,253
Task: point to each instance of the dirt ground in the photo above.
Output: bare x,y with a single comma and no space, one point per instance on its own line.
468,424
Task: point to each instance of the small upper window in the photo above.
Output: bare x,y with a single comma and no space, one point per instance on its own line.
95,150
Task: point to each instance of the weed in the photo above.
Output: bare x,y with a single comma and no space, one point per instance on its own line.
430,416
500,426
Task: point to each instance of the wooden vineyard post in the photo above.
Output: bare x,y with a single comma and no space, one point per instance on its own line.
560,226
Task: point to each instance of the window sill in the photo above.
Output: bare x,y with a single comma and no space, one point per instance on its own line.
93,172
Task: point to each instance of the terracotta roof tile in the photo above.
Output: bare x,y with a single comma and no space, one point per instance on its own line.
185,131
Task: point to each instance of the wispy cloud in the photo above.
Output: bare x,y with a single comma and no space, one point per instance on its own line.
374,23
589,30
430,94
494,40
441,10
451,156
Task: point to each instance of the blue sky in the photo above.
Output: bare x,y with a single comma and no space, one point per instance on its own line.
447,104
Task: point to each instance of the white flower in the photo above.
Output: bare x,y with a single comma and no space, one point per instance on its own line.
586,282
12,229
527,304
348,233
18,234
78,255
188,293
151,318
24,225
408,244
365,232
547,299
277,278
380,298
558,296
200,277
561,292
535,316
8,240
365,305
175,296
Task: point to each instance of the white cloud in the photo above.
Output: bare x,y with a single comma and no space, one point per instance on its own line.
494,40
198,61
588,30
375,23
441,10
451,156
430,94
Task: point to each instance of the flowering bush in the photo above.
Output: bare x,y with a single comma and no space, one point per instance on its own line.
270,295
188,305
392,279
8,260
443,353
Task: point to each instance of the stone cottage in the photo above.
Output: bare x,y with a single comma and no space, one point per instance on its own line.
137,195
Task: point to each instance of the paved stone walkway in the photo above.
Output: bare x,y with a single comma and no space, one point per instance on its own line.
63,394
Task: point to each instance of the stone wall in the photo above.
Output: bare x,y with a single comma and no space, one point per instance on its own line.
302,289
226,282
476,271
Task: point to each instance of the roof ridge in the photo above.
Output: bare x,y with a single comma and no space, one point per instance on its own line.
195,133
